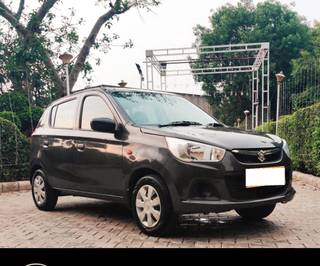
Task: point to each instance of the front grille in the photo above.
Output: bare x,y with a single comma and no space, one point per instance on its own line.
238,190
258,156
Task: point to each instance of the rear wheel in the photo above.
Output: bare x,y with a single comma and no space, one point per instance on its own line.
151,207
256,213
44,197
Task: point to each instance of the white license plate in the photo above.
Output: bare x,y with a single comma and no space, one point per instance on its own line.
264,177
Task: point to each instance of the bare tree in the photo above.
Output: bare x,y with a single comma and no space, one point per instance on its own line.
28,31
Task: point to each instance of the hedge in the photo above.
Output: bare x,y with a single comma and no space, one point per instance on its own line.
17,103
14,152
12,117
302,132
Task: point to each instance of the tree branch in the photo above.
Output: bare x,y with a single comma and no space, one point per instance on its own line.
26,34
93,36
88,45
33,26
20,9
37,19
55,76
6,13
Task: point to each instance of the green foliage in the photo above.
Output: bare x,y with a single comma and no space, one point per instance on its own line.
269,127
268,21
30,119
13,101
305,98
17,103
14,152
306,71
302,132
29,51
12,117
316,146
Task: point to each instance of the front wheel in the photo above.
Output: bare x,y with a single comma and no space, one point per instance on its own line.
151,207
256,213
44,197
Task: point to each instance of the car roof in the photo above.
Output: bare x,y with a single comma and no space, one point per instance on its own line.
107,89
111,89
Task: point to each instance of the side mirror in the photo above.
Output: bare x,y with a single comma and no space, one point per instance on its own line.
105,125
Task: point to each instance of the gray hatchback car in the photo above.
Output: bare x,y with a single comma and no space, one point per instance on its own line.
157,153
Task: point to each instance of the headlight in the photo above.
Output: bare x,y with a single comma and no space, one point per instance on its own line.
192,151
286,147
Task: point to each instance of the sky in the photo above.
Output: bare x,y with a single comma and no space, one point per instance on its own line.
169,25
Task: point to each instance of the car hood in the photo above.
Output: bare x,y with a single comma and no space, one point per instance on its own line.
227,138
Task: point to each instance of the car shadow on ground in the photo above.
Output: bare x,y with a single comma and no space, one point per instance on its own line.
223,225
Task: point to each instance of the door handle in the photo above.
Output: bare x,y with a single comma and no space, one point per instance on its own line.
80,146
45,144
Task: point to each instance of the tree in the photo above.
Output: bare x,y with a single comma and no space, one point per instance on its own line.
36,39
269,21
305,74
15,107
15,150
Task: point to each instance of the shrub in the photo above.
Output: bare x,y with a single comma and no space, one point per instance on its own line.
12,117
316,146
17,103
302,132
14,152
269,127
307,97
14,101
27,117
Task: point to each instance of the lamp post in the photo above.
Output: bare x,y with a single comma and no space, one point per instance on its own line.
141,75
66,60
122,84
163,74
238,122
280,77
163,66
246,113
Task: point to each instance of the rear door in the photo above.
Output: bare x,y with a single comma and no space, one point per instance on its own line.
98,156
58,145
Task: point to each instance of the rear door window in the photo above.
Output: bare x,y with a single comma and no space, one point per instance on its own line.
64,115
43,120
53,115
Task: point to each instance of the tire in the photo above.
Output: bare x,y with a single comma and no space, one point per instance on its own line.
152,207
257,213
44,197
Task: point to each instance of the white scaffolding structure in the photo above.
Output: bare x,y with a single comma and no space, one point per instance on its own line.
241,58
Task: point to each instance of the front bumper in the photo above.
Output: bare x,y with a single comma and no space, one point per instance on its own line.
225,183
191,206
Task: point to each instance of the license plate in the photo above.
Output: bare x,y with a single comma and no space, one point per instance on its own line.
264,177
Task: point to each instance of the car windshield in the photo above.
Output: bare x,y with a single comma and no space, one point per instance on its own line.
156,109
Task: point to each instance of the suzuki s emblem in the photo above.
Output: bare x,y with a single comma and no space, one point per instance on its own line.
262,156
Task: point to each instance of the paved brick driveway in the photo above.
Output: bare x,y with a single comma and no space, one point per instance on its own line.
81,222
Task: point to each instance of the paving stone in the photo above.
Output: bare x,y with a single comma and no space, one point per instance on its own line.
82,223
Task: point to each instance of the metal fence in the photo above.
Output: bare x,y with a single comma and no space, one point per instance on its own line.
302,89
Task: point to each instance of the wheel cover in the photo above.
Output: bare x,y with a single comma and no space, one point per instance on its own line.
148,206
39,191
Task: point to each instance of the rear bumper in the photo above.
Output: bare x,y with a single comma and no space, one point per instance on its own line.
190,206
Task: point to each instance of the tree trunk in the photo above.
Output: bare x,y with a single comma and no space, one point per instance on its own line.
87,47
33,26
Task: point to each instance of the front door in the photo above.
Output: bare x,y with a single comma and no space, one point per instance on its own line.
98,156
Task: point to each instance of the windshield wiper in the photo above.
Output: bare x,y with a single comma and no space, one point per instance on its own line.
181,124
214,125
